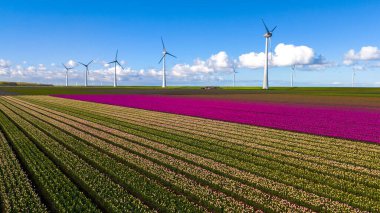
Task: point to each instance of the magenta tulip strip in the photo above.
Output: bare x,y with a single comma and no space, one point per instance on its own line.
353,124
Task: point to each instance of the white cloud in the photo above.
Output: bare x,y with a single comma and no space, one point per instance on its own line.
216,63
366,53
71,63
4,63
284,55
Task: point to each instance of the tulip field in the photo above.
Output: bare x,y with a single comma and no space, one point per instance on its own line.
155,153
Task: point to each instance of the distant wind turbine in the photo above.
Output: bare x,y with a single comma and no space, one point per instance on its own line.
163,58
267,36
67,73
234,70
292,77
116,62
86,74
353,77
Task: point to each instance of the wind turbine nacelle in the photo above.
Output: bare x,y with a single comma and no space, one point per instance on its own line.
268,35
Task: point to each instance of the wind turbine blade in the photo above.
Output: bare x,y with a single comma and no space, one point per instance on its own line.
161,58
171,55
273,29
117,52
266,28
120,65
64,66
163,44
111,62
90,62
82,63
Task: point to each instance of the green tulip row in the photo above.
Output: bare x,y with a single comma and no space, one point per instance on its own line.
16,190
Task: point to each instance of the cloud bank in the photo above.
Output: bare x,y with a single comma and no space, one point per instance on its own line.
366,53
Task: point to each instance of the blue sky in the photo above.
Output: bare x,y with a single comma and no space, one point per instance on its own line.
39,33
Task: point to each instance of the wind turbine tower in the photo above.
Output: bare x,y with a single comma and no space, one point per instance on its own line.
234,70
353,77
163,60
86,74
67,73
116,62
267,36
292,77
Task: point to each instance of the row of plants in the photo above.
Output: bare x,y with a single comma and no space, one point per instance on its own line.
16,190
213,199
77,125
60,194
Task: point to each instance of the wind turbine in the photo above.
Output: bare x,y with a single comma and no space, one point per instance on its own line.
234,70
164,53
86,74
116,62
267,36
353,77
292,78
67,73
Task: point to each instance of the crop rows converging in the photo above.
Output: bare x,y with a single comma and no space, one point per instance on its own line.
64,155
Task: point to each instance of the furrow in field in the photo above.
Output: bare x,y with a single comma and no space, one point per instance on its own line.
76,125
16,191
353,158
109,195
206,194
161,199
57,190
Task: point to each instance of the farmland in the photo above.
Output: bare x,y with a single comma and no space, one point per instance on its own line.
68,155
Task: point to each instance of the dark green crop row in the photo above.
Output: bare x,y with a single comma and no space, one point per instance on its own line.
59,192
16,191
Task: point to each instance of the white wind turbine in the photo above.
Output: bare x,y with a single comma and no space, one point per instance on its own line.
67,73
163,58
116,62
267,36
353,77
292,76
86,74
234,71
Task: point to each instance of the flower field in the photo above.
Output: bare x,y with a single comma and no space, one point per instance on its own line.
345,123
63,155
